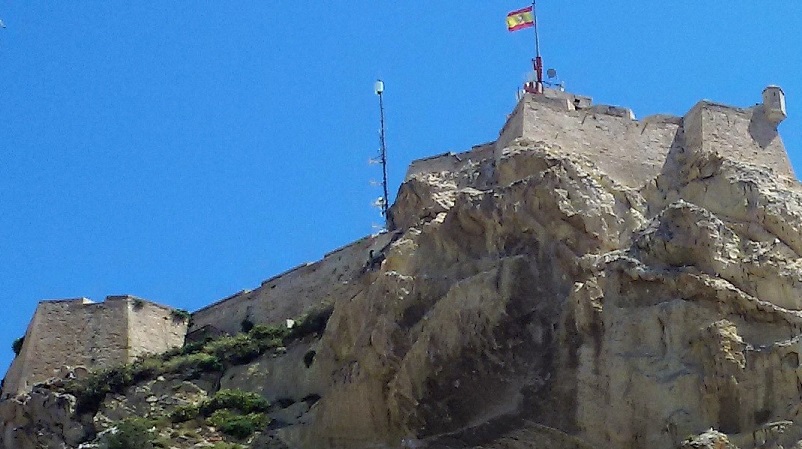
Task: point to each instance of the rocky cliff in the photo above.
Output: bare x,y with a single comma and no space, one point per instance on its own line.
537,303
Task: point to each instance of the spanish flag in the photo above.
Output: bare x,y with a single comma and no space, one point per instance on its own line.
520,19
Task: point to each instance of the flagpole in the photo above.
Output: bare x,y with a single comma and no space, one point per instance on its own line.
538,60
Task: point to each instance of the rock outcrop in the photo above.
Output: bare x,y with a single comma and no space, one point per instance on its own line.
537,303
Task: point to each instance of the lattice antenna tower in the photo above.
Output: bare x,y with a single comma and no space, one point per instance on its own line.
382,202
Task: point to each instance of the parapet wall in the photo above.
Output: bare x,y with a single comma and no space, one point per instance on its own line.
746,135
153,328
629,151
79,332
293,292
451,162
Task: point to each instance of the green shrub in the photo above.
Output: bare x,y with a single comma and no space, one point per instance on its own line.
243,401
180,315
17,345
238,425
185,413
237,349
190,366
265,332
189,348
147,368
312,322
132,433
246,325
170,353
195,346
90,392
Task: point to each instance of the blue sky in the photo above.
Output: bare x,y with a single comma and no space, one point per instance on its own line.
184,151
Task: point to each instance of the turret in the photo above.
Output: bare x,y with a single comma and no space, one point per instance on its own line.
774,104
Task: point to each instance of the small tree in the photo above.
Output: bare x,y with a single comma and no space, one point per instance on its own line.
17,345
246,325
132,433
181,315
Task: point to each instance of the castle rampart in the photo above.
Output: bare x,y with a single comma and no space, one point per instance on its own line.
634,151
152,328
630,151
79,332
451,162
746,135
293,292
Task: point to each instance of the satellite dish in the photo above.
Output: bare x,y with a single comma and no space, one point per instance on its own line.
379,87
551,73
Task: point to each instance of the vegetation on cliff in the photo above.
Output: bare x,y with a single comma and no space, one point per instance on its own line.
16,346
184,396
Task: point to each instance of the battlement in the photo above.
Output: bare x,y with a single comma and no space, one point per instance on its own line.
293,292
634,151
80,332
744,134
450,161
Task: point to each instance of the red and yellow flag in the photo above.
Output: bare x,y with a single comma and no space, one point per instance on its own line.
520,19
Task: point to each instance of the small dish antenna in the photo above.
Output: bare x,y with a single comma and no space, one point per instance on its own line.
551,73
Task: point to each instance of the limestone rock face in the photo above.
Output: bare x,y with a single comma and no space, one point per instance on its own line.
571,305
541,305
40,419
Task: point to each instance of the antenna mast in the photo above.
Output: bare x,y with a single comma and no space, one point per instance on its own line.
384,201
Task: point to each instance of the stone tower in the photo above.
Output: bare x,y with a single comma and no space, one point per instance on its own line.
94,335
774,104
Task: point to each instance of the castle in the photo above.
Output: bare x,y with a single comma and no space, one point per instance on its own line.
632,152
79,332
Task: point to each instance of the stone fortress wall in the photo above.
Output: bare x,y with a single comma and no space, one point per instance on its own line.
152,328
632,152
451,162
747,135
79,332
290,294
